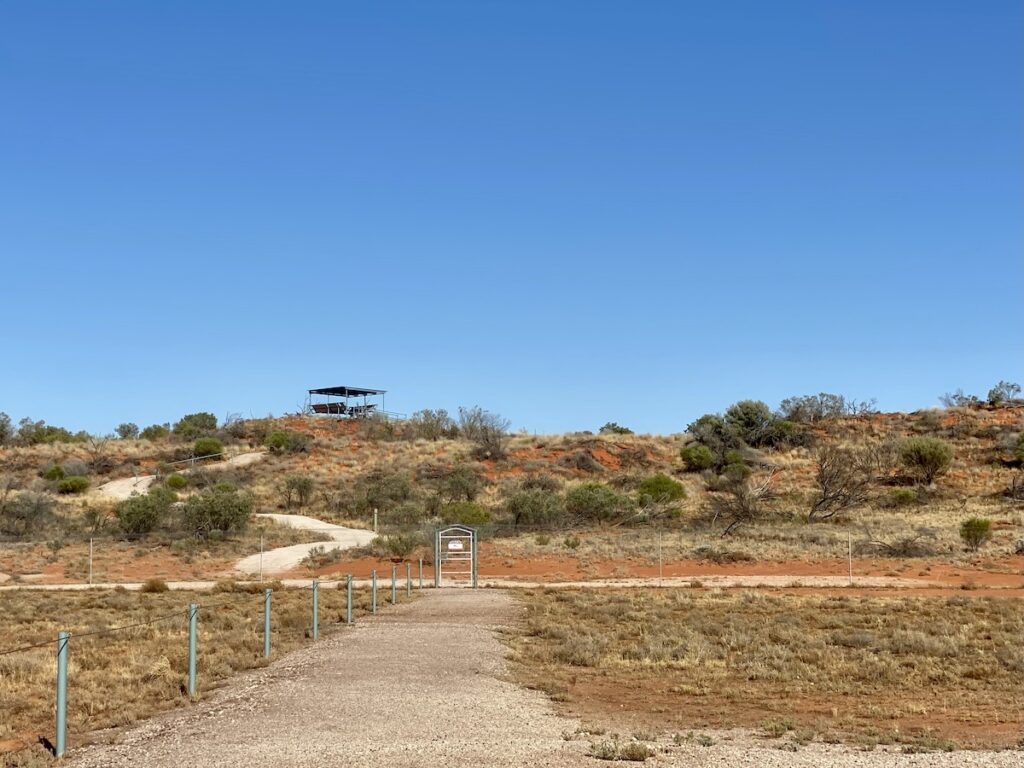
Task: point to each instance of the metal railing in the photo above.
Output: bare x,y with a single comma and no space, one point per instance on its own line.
191,617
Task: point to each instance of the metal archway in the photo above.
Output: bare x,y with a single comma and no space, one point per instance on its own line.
455,556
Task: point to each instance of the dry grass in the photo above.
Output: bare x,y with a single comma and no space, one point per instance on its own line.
118,678
166,556
910,670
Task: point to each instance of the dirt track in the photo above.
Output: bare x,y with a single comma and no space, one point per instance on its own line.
421,685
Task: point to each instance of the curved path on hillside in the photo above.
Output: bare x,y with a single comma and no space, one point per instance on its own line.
283,559
426,684
126,486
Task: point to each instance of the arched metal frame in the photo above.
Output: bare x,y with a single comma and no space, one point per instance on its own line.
450,545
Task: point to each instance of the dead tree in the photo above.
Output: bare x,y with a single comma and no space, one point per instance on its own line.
741,501
843,478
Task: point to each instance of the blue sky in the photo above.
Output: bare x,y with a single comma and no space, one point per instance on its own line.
566,212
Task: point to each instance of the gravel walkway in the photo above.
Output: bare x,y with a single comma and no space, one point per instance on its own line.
420,686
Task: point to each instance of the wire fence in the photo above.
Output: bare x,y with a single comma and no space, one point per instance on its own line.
106,671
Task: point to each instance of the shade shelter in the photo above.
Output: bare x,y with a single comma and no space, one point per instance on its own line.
345,402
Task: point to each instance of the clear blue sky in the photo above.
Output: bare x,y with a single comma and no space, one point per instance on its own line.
567,212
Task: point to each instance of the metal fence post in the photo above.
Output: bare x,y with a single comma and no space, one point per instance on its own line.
316,608
193,616
437,558
408,579
373,591
474,541
348,600
62,693
421,573
394,584
266,623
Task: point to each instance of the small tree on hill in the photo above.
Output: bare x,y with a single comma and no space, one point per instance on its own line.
298,489
843,478
194,425
6,429
488,430
926,457
127,431
433,425
1003,393
611,428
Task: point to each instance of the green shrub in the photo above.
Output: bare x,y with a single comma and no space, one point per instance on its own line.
697,458
661,489
397,545
465,512
54,473
926,457
221,508
753,421
73,484
287,441
176,482
595,502
195,425
207,446
611,428
150,586
141,514
572,542
127,431
975,531
155,432
902,497
535,507
1019,450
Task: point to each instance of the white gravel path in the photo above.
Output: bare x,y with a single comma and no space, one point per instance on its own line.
283,559
423,685
126,486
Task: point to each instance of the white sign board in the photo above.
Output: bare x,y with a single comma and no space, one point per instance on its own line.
455,544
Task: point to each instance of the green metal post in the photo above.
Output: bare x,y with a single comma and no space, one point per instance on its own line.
316,608
62,693
373,591
394,584
348,600
408,579
193,617
474,540
266,623
421,573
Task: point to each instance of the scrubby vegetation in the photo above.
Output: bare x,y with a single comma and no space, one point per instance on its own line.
725,659
786,483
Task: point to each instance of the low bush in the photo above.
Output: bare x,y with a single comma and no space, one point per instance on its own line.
207,446
596,503
73,484
54,473
1019,450
975,531
465,512
221,508
153,586
535,507
397,545
902,497
287,441
176,482
697,458
660,489
138,515
611,428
